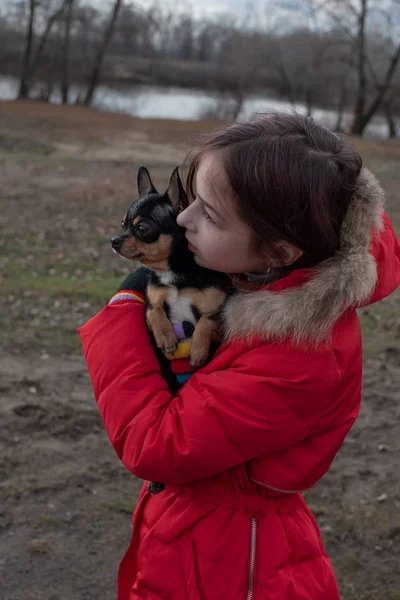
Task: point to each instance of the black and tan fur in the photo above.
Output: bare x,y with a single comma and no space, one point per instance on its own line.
152,237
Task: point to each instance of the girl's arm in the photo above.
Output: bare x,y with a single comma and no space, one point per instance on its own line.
218,419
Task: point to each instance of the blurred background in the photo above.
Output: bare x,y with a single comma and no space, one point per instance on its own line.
89,91
335,59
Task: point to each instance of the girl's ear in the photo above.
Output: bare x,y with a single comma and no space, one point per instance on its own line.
176,192
145,184
290,255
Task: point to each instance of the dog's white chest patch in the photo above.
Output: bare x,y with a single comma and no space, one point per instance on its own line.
180,308
166,277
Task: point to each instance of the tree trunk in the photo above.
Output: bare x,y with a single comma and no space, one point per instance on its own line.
357,126
54,65
341,106
383,89
390,122
239,100
24,81
96,73
308,100
43,40
286,82
65,52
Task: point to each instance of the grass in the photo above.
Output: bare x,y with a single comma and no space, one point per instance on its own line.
24,146
119,505
59,287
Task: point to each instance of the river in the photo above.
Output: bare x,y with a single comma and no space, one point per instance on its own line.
147,101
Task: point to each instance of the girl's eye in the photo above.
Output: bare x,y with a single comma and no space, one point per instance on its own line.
207,217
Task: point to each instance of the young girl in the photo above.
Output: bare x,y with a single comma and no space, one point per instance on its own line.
283,205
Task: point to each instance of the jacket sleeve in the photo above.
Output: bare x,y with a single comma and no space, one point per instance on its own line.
219,419
385,248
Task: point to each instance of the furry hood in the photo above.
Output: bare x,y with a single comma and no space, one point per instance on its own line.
308,312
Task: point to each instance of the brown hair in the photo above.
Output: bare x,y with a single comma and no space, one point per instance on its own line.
292,180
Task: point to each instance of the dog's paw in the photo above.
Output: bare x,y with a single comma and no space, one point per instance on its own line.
168,343
165,338
198,357
171,349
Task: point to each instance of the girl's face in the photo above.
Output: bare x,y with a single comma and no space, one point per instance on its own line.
218,238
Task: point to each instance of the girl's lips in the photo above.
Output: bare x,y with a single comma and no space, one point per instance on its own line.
192,248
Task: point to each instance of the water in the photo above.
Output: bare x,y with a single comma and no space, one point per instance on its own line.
147,101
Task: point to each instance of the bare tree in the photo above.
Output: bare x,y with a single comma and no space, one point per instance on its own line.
65,83
352,19
43,40
96,72
363,113
53,69
38,12
6,37
283,67
246,65
319,63
389,106
341,104
24,80
361,120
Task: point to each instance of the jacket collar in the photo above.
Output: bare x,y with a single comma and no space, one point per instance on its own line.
305,305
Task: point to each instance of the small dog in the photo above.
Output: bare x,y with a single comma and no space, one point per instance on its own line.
180,294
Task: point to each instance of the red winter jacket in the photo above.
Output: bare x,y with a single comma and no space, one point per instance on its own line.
249,431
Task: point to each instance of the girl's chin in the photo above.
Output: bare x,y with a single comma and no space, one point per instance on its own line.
203,263
198,260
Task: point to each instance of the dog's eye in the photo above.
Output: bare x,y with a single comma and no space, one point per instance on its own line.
142,228
123,226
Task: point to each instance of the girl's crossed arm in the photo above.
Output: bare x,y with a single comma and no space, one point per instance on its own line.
220,418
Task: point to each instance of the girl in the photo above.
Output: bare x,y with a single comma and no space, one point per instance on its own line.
283,205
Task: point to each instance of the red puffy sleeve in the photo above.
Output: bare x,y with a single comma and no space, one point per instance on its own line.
225,415
385,248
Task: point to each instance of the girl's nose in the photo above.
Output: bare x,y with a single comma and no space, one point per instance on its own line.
184,219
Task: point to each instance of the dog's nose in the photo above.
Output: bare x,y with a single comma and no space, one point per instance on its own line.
116,243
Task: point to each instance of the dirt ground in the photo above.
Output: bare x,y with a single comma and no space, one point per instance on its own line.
66,177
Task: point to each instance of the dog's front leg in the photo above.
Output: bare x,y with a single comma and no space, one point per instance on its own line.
205,332
158,321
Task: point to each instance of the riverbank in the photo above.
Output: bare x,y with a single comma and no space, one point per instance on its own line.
190,104
67,176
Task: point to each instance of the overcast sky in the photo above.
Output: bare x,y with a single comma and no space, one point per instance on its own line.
292,10
252,12
236,8
285,13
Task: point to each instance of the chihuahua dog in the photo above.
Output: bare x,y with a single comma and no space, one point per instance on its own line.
179,292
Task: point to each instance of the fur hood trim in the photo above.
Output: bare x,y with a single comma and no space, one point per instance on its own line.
309,312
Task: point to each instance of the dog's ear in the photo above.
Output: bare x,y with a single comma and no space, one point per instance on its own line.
145,184
176,192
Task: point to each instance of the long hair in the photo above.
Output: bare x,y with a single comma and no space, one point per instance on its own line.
292,181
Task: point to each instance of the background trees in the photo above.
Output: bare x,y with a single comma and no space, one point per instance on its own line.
338,54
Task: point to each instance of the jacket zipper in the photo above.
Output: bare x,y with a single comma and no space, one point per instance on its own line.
252,564
274,489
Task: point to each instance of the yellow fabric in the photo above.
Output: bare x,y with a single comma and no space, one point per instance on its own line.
183,351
